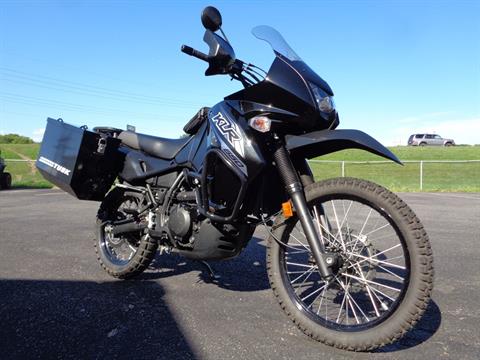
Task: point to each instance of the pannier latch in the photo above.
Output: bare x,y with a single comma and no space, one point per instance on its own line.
102,144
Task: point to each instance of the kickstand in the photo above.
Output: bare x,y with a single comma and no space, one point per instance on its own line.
212,274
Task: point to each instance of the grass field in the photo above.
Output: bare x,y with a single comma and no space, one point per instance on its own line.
24,174
456,177
436,176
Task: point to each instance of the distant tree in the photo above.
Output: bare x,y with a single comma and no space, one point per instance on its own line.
183,136
15,139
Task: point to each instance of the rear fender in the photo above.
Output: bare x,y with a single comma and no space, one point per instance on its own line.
323,142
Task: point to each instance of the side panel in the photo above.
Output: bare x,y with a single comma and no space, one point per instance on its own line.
228,131
327,141
138,166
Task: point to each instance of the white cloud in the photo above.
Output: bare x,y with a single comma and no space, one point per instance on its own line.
465,131
38,134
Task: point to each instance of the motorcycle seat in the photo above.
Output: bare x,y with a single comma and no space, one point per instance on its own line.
156,146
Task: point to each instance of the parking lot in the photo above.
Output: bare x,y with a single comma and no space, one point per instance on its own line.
56,301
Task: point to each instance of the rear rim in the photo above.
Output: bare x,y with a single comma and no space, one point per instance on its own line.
371,274
120,249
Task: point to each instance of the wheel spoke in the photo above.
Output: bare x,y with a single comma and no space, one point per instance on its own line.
370,275
383,294
370,282
313,292
366,221
298,252
372,260
321,300
300,265
352,302
345,217
368,291
338,226
341,306
305,246
391,273
377,229
298,277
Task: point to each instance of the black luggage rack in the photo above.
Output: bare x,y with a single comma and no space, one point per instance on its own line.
81,162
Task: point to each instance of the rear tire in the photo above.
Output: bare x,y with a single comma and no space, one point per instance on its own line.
389,320
142,247
422,144
6,181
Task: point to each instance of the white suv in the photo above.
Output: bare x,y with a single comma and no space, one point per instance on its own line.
429,139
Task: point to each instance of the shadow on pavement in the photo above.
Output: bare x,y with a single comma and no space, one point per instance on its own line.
422,331
28,187
87,320
247,272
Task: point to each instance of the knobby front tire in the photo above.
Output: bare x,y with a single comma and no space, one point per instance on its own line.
383,276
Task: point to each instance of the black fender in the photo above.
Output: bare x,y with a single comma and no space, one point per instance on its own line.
323,142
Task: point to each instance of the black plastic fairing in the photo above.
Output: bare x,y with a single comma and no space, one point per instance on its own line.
285,88
324,142
282,88
249,109
308,74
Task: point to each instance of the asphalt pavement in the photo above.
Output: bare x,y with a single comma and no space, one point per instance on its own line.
56,301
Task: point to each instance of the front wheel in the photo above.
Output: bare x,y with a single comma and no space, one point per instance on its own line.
383,272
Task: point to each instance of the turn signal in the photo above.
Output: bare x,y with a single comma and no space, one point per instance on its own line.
260,123
287,209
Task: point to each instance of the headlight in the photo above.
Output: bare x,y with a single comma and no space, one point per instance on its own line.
325,103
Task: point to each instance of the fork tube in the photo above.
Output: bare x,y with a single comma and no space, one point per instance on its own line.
295,191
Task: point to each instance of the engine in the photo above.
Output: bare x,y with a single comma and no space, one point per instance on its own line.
181,223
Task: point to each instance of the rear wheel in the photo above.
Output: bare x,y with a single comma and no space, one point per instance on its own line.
128,254
5,181
383,272
422,144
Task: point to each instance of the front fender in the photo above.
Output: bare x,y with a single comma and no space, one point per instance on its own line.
323,142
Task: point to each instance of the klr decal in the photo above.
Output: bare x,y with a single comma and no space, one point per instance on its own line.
232,157
230,131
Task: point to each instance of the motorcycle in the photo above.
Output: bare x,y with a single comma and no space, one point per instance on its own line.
348,261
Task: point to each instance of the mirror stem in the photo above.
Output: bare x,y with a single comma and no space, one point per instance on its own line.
225,36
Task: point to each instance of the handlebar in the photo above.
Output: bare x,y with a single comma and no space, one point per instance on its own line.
192,52
236,69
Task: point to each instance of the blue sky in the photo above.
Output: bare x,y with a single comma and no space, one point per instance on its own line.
396,67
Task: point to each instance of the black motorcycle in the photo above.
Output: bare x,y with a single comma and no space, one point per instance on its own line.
348,260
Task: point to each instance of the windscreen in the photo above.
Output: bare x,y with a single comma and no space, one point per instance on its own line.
276,41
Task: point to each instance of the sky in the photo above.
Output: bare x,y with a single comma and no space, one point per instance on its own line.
396,67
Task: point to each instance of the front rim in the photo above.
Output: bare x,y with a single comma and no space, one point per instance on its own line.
371,274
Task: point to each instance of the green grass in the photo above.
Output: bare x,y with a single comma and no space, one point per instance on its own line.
457,177
23,175
411,153
11,151
436,176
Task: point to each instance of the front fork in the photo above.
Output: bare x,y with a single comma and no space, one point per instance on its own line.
294,189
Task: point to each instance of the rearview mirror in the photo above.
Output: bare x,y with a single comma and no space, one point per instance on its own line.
211,18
